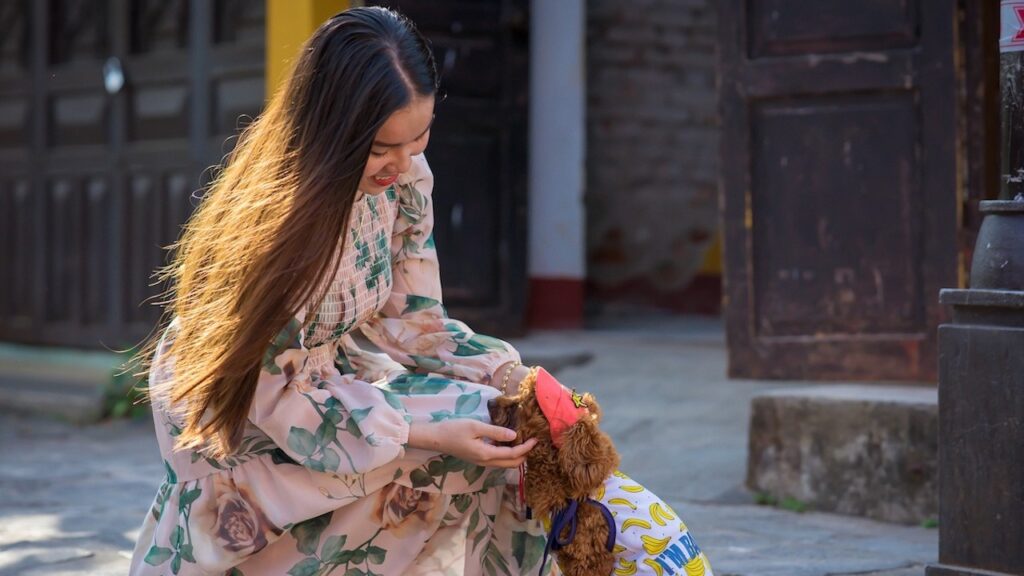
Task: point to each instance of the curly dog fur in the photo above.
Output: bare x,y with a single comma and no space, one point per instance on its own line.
557,475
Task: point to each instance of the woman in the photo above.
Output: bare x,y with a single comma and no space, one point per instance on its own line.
288,449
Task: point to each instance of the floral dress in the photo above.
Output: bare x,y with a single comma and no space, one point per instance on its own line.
324,481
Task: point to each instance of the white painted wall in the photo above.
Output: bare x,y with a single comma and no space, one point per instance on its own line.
557,139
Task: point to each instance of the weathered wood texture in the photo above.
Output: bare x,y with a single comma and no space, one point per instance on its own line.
840,185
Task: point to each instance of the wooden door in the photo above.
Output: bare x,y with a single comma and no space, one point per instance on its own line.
110,112
477,152
840,185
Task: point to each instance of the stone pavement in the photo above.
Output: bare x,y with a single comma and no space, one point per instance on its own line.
72,498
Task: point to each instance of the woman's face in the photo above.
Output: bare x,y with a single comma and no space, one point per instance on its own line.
403,135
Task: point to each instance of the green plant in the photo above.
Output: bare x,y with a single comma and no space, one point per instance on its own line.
124,394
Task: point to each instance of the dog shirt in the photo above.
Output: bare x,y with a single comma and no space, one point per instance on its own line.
650,538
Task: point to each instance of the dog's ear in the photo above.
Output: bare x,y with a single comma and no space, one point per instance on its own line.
593,407
587,456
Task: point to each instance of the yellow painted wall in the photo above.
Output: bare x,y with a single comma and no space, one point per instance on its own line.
289,24
712,265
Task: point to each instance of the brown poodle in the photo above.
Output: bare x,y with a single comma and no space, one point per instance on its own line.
569,464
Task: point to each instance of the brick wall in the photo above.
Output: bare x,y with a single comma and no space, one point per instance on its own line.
652,144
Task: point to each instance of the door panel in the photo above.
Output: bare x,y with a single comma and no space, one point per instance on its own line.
840,185
94,184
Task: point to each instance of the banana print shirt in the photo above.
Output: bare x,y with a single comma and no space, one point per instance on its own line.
324,480
650,537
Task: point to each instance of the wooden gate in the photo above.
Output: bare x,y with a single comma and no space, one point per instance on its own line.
840,185
110,111
477,152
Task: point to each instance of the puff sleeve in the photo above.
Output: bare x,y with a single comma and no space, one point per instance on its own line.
322,419
413,327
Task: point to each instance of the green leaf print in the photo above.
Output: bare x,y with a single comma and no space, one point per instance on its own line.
331,548
186,553
301,441
288,337
418,384
157,555
330,459
358,556
355,572
413,203
307,533
172,478
435,468
468,350
360,414
429,243
376,554
441,415
527,549
176,564
363,251
332,415
420,478
352,427
429,363
306,567
467,403
188,497
326,432
392,400
487,342
414,303
496,560
453,464
176,536
473,473
234,572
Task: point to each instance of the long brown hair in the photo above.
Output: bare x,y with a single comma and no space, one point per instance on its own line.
270,225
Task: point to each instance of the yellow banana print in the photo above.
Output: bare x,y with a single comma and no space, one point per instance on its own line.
630,522
655,546
633,489
619,474
626,567
660,515
618,549
682,526
599,493
622,502
658,570
695,567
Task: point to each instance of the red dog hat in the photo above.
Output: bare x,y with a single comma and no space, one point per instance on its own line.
561,406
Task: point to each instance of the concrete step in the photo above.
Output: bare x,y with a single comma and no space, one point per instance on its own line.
859,450
67,383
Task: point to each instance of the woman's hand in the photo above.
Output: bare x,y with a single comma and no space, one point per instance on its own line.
470,440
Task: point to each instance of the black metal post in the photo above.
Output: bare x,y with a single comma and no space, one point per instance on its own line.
981,407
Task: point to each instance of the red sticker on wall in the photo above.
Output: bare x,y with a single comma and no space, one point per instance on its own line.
1011,26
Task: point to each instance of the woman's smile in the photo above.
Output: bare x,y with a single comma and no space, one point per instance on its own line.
385,180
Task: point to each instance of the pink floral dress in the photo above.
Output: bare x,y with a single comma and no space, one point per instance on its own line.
324,481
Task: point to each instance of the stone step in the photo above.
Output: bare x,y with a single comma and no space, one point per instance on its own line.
63,382
852,449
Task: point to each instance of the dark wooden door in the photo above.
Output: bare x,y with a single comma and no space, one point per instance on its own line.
110,110
840,185
477,152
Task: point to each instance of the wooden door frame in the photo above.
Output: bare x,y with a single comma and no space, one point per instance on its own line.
950,228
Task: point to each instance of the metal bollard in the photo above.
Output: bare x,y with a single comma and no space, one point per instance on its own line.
981,406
